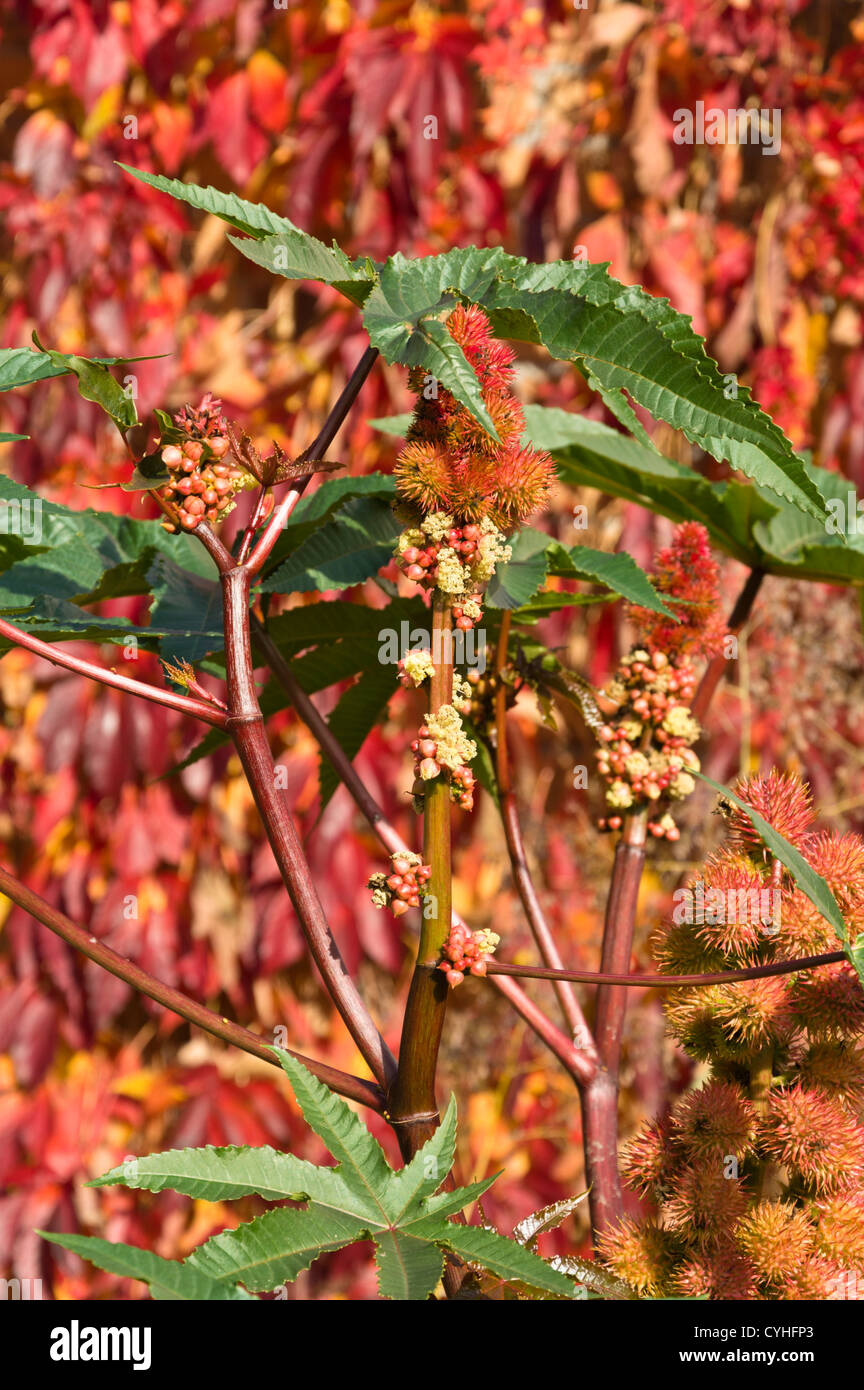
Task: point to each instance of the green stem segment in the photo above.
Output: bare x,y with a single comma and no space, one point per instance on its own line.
412,1107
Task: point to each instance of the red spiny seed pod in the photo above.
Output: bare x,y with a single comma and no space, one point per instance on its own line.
757,1175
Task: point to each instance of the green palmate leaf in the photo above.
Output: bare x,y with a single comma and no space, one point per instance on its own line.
625,340
23,366
276,1247
95,383
535,554
53,558
354,718
408,1268
221,1174
361,1198
519,578
747,521
636,343
168,1279
426,1171
348,549
297,256
361,1157
189,607
501,1256
619,572
402,316
812,885
252,218
591,454
320,506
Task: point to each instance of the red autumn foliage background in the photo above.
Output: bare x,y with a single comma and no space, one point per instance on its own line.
391,126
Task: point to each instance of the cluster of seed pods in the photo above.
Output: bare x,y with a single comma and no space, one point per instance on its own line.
467,952
404,887
467,613
420,562
203,482
646,753
427,766
462,788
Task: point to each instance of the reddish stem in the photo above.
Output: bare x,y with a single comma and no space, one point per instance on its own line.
184,704
600,1097
351,1086
317,449
255,522
569,1004
246,726
724,977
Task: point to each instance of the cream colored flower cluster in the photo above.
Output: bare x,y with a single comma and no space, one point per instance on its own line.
454,559
646,753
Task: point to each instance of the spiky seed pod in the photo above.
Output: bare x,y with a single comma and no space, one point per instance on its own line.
705,1204
839,1227
423,475
693,1019
814,1137
781,799
640,1253
829,1003
816,1279
450,462
647,1161
721,1272
678,951
713,1122
737,903
803,931
753,1013
811,1243
777,1238
840,861
835,1068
